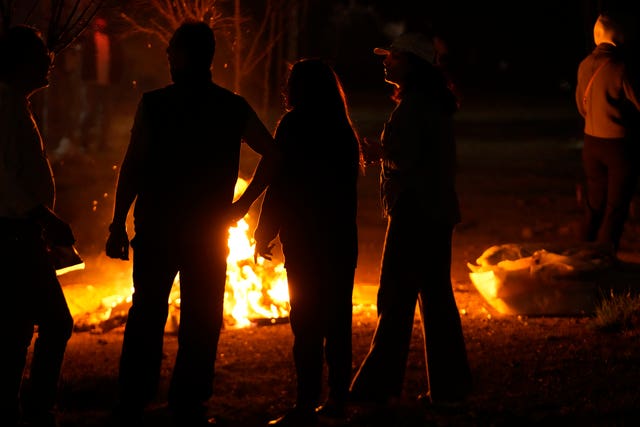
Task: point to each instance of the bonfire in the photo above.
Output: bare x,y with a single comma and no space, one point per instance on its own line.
256,292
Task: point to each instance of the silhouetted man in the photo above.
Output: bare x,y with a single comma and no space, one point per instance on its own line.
181,168
608,98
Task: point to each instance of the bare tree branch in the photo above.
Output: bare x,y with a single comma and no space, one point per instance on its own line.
61,21
160,18
253,58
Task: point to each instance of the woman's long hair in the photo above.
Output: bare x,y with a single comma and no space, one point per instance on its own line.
314,85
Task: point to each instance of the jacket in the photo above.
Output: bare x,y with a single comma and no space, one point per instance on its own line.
610,106
419,159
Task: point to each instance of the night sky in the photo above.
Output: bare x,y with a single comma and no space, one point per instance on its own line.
507,46
510,45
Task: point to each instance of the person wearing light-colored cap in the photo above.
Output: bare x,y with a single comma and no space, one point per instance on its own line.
417,154
415,43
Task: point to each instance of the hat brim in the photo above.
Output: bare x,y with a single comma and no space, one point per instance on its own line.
381,51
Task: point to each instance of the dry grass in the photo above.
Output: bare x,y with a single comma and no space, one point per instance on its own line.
618,313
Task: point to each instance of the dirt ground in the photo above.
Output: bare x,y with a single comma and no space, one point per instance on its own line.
519,167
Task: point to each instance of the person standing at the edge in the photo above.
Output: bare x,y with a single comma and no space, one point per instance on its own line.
607,97
28,225
181,168
418,155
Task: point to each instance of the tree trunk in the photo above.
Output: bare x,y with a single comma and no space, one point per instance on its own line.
268,64
237,51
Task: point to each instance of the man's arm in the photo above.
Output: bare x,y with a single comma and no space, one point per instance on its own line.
129,176
127,189
260,140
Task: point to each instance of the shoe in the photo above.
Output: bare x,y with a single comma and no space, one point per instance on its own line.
195,415
39,419
334,413
179,421
372,415
191,415
124,416
368,398
297,417
332,409
449,396
195,420
445,405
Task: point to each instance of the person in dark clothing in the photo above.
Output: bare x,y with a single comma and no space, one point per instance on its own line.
608,98
28,228
418,155
312,206
181,168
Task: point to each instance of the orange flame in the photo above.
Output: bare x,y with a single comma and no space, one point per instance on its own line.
253,290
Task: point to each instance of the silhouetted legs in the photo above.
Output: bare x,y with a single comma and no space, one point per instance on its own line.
611,179
34,291
407,276
201,261
321,313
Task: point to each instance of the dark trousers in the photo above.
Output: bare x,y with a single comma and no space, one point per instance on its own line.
35,298
200,259
320,316
409,276
610,182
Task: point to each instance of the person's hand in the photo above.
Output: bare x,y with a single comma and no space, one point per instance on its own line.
117,246
57,231
263,249
371,151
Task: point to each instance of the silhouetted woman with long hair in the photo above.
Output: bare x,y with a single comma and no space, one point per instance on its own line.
312,207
